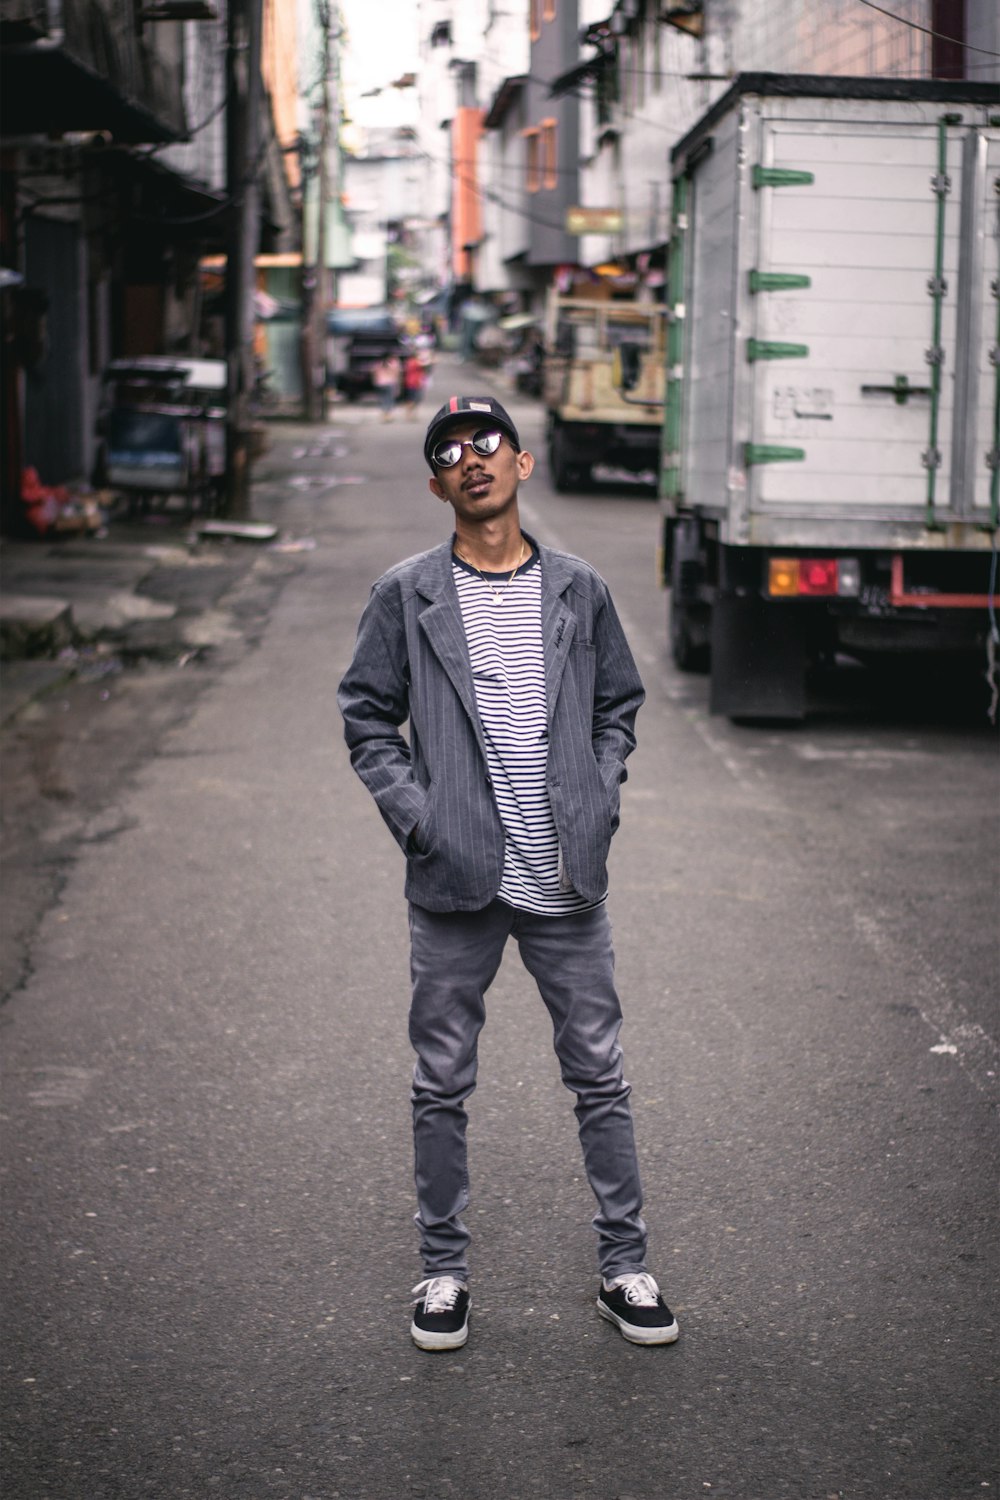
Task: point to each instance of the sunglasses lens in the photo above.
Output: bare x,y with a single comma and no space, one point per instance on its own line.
446,455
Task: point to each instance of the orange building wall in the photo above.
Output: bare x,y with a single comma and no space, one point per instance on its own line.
466,215
279,63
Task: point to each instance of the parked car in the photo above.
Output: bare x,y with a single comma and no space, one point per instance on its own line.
357,338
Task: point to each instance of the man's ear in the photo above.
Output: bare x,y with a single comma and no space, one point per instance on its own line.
434,486
525,463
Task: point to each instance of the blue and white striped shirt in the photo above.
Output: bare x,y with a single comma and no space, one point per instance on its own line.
503,627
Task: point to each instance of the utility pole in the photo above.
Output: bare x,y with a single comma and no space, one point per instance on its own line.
243,135
315,310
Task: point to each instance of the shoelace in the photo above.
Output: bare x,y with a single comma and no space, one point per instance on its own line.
440,1293
640,1289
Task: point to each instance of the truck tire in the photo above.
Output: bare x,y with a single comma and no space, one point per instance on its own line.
688,646
688,655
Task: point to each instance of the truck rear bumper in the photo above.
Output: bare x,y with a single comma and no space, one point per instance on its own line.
633,446
922,598
897,632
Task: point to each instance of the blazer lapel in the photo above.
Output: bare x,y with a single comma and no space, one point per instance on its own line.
441,623
558,624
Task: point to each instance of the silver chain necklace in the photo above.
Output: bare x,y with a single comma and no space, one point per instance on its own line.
498,593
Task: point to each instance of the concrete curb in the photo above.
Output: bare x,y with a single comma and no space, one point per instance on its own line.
34,625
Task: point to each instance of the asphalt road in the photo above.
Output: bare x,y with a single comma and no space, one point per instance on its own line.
207,1246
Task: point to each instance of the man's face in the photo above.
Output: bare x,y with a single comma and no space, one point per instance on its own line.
480,487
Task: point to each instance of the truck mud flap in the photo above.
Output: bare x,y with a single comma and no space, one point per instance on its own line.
758,660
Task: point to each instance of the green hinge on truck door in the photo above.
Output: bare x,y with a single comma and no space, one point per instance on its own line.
768,349
670,482
781,177
778,281
769,453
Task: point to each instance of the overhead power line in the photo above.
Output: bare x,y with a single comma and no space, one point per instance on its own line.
915,26
490,195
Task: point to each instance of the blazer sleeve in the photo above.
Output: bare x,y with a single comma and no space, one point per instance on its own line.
618,696
374,700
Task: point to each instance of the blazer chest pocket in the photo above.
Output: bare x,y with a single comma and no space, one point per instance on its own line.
582,666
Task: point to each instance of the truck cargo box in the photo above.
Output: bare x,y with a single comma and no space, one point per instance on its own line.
829,469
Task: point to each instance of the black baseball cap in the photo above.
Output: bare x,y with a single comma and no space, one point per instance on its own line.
459,409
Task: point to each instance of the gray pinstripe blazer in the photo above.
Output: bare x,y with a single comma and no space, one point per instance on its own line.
411,661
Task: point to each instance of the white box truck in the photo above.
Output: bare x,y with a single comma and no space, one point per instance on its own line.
830,457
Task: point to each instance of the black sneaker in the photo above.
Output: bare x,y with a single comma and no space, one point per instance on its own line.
635,1304
441,1320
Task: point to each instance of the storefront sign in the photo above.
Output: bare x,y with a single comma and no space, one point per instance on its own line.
593,220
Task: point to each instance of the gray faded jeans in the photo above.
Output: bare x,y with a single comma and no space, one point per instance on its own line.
454,957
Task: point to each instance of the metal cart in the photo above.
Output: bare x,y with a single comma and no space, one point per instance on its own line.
163,427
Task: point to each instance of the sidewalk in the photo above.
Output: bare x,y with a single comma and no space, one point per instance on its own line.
143,589
162,588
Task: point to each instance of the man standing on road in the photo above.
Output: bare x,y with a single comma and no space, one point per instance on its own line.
510,664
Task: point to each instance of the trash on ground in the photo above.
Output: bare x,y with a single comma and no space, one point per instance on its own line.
323,481
91,663
241,531
54,509
310,481
294,544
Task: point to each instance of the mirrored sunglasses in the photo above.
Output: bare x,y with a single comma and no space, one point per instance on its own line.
448,452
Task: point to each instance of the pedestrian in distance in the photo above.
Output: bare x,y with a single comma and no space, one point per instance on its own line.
509,663
414,379
385,378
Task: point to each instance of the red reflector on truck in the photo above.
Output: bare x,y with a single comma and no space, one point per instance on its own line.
818,575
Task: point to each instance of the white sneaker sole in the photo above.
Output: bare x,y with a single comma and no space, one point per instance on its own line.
668,1335
434,1342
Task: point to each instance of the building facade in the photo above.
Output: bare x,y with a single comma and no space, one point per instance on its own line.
648,69
596,93
383,182
113,188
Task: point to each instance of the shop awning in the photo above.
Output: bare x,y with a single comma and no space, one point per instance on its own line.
47,91
166,202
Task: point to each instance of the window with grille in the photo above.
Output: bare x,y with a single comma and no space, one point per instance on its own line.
548,154
533,175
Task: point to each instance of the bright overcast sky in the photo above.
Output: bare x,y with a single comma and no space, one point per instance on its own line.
380,45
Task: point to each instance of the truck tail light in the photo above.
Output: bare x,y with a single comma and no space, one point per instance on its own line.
818,575
848,577
813,577
783,577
